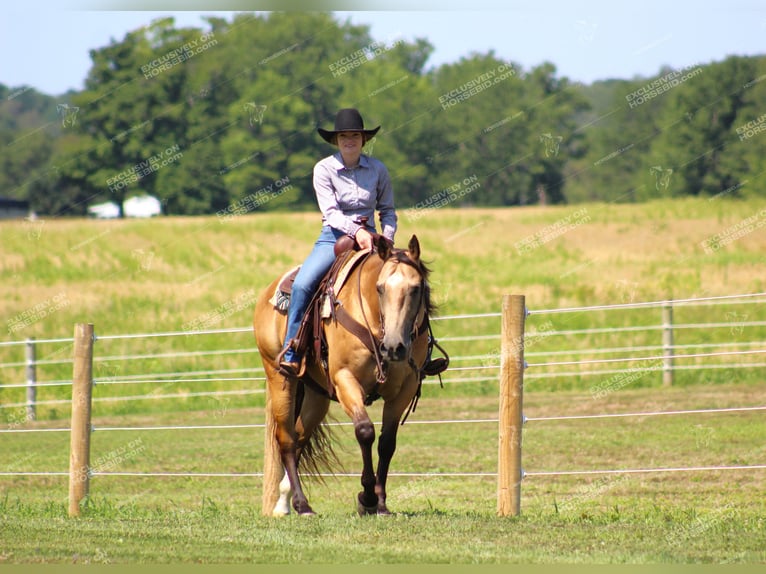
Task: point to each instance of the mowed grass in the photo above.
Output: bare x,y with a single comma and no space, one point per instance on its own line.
682,517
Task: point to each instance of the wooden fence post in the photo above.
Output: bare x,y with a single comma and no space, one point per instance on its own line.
667,343
82,388
31,368
272,463
509,472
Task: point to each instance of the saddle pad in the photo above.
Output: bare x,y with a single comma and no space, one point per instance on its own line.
280,298
340,280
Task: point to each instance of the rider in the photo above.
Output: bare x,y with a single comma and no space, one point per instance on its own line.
349,187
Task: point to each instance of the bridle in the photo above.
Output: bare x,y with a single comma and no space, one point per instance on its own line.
417,329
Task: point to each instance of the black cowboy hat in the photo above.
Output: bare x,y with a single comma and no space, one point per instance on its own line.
347,120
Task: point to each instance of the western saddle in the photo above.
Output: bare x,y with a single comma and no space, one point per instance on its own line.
310,343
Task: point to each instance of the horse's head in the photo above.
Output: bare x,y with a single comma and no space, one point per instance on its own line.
403,293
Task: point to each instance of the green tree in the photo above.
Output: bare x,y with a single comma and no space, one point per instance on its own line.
699,122
28,130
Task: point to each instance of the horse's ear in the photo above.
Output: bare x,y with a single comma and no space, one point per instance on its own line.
414,248
383,246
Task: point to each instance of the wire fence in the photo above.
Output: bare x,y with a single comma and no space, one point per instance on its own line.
474,363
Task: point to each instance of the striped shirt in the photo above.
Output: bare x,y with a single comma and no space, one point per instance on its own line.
345,195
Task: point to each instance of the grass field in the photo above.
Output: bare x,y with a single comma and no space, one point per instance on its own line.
711,517
186,274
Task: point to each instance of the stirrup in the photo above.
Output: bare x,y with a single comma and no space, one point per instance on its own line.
435,367
292,370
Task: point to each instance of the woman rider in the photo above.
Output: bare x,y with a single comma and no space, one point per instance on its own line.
350,186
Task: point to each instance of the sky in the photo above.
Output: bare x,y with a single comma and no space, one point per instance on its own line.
45,43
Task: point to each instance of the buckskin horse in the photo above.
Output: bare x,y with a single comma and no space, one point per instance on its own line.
380,353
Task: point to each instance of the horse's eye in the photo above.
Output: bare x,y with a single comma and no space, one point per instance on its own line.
380,289
415,290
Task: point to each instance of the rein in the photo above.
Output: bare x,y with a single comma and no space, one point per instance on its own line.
366,335
381,376
365,332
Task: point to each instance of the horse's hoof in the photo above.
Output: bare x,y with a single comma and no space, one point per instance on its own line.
363,509
304,510
383,511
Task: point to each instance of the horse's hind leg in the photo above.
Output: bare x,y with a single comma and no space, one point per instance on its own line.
312,409
282,507
282,396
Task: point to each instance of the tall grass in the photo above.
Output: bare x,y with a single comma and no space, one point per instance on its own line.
181,274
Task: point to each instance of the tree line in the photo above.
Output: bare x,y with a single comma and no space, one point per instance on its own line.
222,118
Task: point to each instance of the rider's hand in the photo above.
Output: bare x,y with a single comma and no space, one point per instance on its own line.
364,239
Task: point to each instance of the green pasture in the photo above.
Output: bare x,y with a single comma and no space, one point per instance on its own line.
189,274
685,517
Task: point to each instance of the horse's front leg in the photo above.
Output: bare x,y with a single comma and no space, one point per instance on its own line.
393,410
351,398
386,449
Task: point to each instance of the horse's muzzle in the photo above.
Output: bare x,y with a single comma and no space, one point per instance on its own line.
394,353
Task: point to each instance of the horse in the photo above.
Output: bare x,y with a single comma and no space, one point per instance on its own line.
389,294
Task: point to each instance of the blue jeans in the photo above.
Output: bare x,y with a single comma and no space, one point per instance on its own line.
313,269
